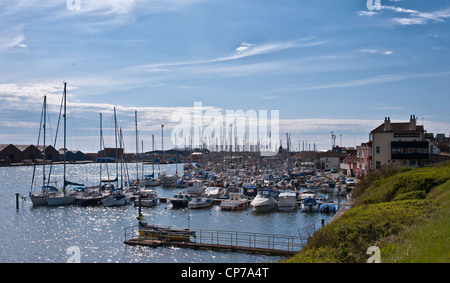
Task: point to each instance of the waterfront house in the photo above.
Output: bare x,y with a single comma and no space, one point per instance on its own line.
29,152
51,154
9,153
401,144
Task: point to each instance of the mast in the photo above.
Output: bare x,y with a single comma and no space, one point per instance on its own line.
43,168
137,145
117,151
65,149
100,152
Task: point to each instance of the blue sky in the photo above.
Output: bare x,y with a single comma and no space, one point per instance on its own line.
327,66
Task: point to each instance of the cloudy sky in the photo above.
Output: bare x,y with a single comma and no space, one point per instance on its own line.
326,66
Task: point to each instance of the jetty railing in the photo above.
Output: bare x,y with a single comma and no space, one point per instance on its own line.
235,239
222,239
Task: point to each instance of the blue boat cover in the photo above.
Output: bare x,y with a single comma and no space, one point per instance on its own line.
327,207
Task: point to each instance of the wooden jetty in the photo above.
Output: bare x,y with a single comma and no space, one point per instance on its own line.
271,244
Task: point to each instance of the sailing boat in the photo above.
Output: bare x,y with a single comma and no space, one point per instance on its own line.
40,198
63,197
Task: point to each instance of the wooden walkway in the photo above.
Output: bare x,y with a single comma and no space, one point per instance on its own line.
271,244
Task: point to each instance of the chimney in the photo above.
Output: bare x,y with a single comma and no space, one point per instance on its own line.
387,124
412,123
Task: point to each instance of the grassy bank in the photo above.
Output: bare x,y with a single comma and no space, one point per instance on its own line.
403,212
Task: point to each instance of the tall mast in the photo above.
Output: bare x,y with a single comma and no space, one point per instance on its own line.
137,145
100,152
117,150
43,168
65,149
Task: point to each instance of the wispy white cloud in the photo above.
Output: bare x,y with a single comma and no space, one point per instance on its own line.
375,51
366,81
243,51
12,37
416,17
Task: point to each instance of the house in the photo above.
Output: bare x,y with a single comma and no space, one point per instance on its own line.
364,156
10,154
108,152
401,144
71,155
29,152
329,163
50,153
349,165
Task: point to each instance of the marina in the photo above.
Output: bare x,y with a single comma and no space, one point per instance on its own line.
99,230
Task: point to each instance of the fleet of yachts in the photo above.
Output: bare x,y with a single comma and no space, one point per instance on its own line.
234,190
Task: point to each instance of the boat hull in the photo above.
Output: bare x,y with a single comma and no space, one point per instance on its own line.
179,203
38,199
116,202
60,200
233,206
159,233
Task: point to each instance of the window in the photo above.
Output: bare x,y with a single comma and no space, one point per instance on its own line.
412,162
378,164
378,149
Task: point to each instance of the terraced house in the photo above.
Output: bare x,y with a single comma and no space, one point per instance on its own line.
402,144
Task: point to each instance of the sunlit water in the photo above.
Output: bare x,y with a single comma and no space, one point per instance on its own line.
44,234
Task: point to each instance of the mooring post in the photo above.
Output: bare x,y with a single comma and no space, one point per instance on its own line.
17,201
139,203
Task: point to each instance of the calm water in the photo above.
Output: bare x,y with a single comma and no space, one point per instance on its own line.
44,234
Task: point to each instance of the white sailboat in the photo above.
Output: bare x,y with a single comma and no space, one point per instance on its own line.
63,197
40,198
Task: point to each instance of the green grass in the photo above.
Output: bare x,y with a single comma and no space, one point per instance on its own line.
404,212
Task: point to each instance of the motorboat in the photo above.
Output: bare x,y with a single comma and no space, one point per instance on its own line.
149,181
164,233
147,198
180,200
236,201
168,181
200,202
195,187
287,201
310,204
214,192
116,198
264,201
327,207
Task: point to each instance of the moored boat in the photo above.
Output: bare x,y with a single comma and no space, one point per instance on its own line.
264,201
180,200
287,201
200,202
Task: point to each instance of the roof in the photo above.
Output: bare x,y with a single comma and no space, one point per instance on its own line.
397,127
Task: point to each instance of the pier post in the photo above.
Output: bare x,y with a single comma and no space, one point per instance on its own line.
17,201
139,204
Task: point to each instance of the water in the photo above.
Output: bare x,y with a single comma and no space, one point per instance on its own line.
46,234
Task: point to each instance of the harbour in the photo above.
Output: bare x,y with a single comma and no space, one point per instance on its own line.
45,233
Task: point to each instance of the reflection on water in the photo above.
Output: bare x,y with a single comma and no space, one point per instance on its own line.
44,234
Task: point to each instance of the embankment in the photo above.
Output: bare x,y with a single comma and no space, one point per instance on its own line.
403,212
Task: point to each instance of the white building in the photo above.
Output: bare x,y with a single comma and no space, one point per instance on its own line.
401,144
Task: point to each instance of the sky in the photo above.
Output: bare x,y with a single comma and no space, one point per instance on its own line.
325,66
